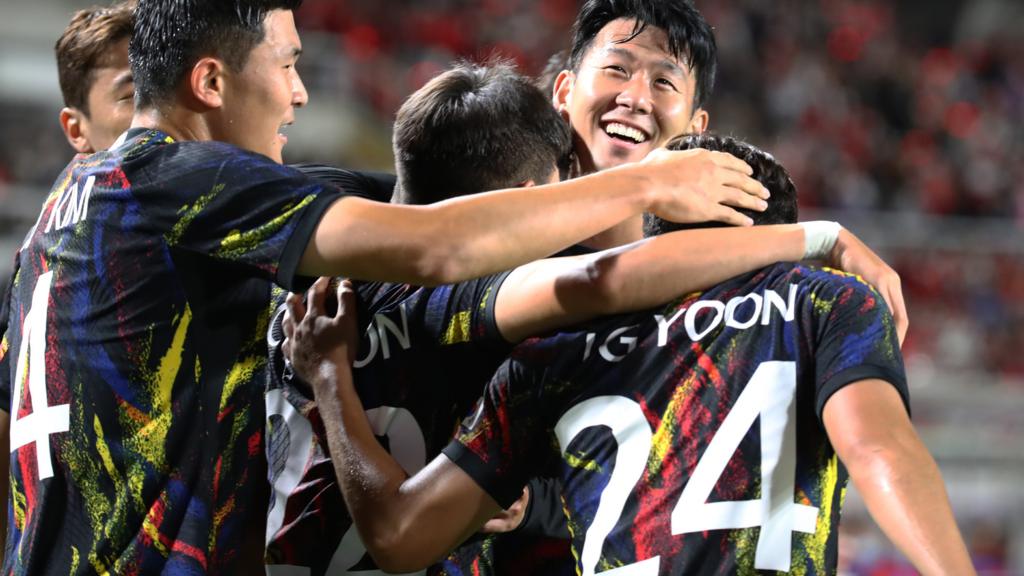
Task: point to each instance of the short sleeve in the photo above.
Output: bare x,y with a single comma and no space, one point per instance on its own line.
376,186
242,208
464,312
858,340
496,453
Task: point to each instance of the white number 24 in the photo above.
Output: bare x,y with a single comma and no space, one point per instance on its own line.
770,393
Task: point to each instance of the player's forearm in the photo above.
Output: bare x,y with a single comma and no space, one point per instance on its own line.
903,490
470,236
369,477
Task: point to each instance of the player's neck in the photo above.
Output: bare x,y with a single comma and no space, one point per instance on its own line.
180,125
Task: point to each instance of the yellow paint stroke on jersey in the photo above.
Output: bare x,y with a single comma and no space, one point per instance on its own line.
18,502
667,433
190,213
586,464
458,329
241,373
74,560
115,519
238,243
151,530
816,543
149,441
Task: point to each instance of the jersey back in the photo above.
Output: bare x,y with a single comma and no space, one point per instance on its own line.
135,352
690,436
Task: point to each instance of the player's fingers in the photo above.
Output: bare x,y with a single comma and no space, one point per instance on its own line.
735,198
286,348
346,295
730,162
727,215
746,185
296,311
317,295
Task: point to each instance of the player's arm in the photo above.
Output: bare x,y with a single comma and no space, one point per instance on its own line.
405,523
900,482
552,293
475,235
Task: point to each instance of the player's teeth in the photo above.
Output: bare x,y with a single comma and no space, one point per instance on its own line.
628,132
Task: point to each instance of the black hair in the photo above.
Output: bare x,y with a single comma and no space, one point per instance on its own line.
476,128
782,206
170,36
556,63
690,38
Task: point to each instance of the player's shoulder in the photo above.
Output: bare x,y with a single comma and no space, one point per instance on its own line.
377,186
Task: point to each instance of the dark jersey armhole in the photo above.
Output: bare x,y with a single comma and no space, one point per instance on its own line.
305,227
856,374
491,320
503,493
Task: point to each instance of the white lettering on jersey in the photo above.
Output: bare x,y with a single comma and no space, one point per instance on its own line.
766,307
377,337
71,207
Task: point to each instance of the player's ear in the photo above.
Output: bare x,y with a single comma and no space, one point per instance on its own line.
207,82
563,91
76,129
699,121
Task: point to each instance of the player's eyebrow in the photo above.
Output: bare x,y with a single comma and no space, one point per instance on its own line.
123,79
668,65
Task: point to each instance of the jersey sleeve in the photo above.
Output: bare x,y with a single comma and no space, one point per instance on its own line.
6,293
496,453
376,186
464,312
858,341
234,206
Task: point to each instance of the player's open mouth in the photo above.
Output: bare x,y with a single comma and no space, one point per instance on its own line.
624,133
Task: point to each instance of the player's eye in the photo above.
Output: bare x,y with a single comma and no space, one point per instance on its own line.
667,84
615,70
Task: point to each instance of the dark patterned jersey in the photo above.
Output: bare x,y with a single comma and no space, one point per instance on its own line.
135,357
690,437
424,358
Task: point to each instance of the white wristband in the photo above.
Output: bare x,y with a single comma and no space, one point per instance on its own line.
819,238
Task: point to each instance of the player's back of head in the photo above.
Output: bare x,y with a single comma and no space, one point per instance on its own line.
476,128
83,46
690,37
782,206
170,36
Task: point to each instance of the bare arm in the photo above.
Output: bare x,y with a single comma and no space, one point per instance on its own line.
405,523
900,482
552,293
472,236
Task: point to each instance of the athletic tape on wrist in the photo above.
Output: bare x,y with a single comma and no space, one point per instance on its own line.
819,238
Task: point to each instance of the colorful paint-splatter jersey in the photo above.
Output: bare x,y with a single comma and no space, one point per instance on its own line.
136,357
690,437
424,358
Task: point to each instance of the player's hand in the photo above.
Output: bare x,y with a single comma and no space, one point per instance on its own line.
508,520
853,256
702,186
316,342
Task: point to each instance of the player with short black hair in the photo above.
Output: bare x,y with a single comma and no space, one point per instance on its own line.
712,434
475,128
133,361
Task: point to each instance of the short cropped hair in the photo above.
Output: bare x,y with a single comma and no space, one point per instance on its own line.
782,206
690,37
170,36
80,50
475,128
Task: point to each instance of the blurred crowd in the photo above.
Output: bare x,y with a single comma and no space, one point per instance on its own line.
911,108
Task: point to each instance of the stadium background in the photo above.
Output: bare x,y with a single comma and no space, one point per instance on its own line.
904,121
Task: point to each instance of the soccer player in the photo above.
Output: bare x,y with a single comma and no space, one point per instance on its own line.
714,434
429,351
95,78
132,365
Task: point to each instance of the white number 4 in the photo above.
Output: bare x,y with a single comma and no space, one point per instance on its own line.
770,393
44,419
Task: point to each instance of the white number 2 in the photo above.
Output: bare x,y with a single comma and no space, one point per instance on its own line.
44,419
770,393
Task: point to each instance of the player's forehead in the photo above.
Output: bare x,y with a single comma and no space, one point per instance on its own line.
280,36
617,39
